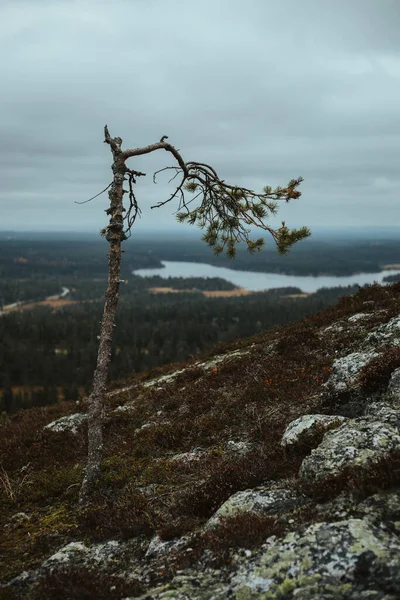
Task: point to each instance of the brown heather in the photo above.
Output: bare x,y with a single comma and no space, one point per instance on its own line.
250,398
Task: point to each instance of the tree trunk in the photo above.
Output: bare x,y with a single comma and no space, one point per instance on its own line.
114,235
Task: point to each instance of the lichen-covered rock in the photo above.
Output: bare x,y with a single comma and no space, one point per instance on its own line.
158,547
380,411
70,423
335,328
239,447
274,498
187,457
358,316
345,370
350,559
386,333
78,554
393,390
303,429
328,560
383,506
355,443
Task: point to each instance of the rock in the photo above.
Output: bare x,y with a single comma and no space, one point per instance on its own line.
78,554
187,457
386,333
303,429
350,559
70,423
239,447
274,498
358,316
355,443
393,390
345,370
335,328
328,560
158,547
380,411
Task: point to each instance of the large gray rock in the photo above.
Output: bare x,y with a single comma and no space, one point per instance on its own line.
326,561
345,370
273,498
77,553
381,411
388,333
355,443
350,559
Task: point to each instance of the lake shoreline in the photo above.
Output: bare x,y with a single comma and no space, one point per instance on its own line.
254,281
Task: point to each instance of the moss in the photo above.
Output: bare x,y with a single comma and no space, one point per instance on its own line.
26,543
53,483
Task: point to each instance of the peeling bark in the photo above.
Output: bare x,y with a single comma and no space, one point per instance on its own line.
114,235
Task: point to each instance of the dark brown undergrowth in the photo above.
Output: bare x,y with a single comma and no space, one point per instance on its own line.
229,475
124,517
22,439
84,584
247,398
375,375
244,530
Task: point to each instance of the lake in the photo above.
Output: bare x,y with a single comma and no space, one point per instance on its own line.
258,282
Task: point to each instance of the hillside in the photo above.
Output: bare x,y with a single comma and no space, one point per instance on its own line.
270,468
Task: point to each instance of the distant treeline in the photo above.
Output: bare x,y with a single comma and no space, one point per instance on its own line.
88,258
58,349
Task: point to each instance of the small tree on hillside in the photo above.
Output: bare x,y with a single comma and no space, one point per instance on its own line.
225,212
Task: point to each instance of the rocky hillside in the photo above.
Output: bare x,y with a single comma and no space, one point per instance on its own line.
268,469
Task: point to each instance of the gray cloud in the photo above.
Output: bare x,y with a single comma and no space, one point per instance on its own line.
263,90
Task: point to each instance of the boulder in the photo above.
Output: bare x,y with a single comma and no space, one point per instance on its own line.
70,423
345,370
388,333
273,498
356,443
350,559
303,429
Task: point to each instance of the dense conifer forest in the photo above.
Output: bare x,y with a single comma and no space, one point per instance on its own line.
48,352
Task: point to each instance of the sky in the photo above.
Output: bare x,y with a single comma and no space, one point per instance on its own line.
263,90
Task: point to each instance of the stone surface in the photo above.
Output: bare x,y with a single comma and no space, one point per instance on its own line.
239,447
380,411
274,498
386,333
77,553
158,547
393,390
355,443
350,559
358,317
70,423
302,429
345,370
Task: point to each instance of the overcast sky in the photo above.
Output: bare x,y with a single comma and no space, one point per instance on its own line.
264,90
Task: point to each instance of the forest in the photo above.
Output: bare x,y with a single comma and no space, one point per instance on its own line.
48,352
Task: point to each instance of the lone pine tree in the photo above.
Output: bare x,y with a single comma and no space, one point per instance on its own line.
225,212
